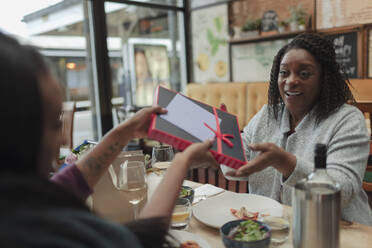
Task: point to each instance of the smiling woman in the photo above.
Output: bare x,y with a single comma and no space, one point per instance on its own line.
299,83
308,97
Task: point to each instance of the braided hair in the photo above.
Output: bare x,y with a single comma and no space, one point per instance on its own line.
334,81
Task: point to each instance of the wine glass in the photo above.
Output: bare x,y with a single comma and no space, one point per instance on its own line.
280,227
133,183
181,214
162,155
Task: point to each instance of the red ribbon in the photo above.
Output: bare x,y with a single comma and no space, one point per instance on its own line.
220,136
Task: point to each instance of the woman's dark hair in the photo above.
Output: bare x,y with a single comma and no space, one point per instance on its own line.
21,68
334,81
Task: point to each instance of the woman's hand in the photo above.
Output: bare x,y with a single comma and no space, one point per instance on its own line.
139,123
162,202
198,153
270,155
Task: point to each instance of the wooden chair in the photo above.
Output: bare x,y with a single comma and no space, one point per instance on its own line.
67,117
367,186
215,177
366,108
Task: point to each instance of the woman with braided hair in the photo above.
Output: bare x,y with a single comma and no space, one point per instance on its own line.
307,104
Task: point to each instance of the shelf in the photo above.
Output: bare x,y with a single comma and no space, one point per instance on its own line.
266,38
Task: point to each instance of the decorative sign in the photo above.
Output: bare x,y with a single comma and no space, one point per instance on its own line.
346,47
337,13
209,44
252,62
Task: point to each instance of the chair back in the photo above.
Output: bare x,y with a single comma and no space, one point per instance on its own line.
366,108
215,177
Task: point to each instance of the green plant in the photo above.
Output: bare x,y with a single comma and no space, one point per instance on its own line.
284,24
252,25
298,14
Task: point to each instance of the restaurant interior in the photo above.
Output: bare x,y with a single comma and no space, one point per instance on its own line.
115,58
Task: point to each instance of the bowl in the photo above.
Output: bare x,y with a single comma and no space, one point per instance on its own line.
231,243
187,192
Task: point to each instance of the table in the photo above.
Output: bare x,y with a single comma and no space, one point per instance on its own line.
351,234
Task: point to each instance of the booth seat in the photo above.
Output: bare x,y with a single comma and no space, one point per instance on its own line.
242,99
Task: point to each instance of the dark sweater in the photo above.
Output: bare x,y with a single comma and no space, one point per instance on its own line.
37,213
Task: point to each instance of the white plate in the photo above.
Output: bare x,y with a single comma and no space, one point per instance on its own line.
215,211
183,236
161,165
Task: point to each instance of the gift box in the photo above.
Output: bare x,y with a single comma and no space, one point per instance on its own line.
189,121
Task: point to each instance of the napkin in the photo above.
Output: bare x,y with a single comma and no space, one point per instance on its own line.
205,191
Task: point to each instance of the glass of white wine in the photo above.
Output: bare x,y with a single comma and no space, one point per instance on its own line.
181,214
162,155
133,183
280,228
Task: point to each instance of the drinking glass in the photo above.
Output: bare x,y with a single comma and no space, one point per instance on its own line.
181,214
279,228
133,183
162,156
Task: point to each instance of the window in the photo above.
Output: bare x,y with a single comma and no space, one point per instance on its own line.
58,29
151,41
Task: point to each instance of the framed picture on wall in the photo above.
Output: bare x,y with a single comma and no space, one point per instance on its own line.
149,64
210,50
251,62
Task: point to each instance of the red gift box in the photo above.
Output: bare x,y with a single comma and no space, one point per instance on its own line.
189,121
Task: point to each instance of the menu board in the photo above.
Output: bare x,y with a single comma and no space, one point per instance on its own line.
337,13
346,47
252,62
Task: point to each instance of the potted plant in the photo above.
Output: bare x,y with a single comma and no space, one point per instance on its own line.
283,25
297,20
301,24
251,28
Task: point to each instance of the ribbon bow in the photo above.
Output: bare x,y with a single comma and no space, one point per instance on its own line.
220,136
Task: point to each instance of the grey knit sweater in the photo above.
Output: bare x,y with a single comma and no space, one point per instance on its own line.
347,139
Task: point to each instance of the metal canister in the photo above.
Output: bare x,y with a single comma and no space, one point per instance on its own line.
316,215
